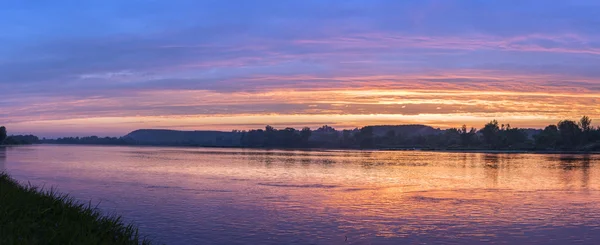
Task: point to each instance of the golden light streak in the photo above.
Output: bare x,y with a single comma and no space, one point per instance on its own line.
340,107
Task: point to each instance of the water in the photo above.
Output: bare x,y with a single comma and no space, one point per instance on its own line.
246,196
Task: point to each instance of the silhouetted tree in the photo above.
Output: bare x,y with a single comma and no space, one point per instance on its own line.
490,133
325,136
3,134
326,129
348,140
270,136
305,136
566,135
90,140
595,135
452,137
467,136
513,137
21,140
365,137
548,138
585,123
569,133
254,138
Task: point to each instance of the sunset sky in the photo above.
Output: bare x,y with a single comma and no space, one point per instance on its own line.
74,68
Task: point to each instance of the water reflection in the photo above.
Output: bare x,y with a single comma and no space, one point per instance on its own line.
2,158
243,196
575,168
573,162
492,165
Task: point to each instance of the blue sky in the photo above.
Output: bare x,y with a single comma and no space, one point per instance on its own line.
108,67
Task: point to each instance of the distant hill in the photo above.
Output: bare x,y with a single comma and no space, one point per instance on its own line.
567,136
176,137
232,139
412,135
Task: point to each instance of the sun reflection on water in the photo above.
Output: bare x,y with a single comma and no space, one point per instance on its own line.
237,196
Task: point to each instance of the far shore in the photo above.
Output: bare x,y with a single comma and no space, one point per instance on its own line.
487,151
513,151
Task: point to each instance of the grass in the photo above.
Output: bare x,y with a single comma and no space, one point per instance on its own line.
30,215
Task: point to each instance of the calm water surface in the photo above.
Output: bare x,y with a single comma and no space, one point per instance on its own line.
244,196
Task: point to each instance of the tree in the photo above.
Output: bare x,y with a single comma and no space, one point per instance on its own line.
365,137
452,137
490,133
287,137
467,136
587,133
548,138
269,128
512,137
595,137
348,139
569,133
585,123
270,136
326,129
2,134
305,136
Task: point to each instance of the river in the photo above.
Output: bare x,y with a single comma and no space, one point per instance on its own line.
251,196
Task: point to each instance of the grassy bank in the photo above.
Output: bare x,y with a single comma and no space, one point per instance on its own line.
29,215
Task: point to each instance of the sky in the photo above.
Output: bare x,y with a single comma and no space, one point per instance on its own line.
75,68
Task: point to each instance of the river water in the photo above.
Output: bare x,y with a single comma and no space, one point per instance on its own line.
249,196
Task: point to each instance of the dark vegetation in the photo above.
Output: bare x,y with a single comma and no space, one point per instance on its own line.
29,215
183,138
16,139
90,140
566,135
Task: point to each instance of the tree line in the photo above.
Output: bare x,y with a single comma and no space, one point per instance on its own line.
88,140
566,135
16,139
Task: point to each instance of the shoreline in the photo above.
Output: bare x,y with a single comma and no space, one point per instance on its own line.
518,152
487,151
31,215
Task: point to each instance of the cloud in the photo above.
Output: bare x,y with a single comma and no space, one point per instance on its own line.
309,58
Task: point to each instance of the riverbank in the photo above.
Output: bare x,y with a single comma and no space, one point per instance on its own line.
30,215
456,150
515,151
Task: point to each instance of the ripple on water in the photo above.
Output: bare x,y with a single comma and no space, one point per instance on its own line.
240,196
317,186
